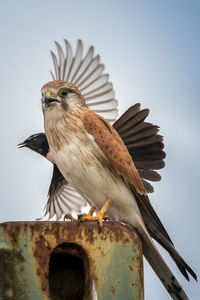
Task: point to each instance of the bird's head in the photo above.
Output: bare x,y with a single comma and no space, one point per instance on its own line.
59,97
36,142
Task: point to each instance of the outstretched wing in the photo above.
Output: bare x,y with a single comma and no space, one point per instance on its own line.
113,147
87,74
62,197
143,142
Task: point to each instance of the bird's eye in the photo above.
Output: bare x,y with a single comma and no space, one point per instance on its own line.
63,92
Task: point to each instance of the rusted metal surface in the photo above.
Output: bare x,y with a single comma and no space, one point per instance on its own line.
50,260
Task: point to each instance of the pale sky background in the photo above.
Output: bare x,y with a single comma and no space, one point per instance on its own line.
151,51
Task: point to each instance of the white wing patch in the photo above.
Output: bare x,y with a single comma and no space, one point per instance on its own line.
86,73
65,201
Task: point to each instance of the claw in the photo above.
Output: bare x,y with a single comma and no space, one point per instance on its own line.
90,213
69,217
100,216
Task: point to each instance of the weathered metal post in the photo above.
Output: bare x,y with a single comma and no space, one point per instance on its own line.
67,261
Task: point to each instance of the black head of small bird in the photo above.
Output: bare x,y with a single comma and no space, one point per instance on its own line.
36,142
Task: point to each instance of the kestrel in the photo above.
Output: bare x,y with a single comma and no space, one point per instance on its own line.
92,157
141,138
94,160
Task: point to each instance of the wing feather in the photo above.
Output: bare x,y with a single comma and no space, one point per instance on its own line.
87,74
149,175
99,106
77,61
52,75
69,60
113,148
92,76
93,85
58,209
63,199
143,142
129,113
94,63
61,60
84,65
102,97
148,186
56,66
139,117
105,88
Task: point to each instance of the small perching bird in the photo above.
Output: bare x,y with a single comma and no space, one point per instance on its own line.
99,165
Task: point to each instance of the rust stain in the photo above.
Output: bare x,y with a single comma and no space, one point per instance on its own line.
13,231
113,290
103,253
41,254
140,270
117,230
134,284
9,261
47,236
89,235
130,268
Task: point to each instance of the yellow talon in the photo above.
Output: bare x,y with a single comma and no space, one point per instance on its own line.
91,211
68,216
100,216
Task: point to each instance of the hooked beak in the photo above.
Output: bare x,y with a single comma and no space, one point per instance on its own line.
48,100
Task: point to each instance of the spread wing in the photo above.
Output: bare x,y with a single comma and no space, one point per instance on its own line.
62,197
143,142
87,74
113,147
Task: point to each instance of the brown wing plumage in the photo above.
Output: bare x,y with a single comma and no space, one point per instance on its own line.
113,147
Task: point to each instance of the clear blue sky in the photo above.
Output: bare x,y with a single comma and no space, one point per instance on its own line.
151,51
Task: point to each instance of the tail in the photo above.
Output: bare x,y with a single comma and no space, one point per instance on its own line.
159,266
181,264
157,231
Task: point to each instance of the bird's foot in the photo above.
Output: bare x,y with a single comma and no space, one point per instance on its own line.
100,216
90,213
69,217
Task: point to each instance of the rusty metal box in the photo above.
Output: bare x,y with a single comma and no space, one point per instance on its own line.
70,261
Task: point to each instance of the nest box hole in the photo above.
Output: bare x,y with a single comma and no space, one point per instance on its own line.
68,273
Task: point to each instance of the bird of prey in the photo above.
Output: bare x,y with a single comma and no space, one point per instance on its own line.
93,158
141,138
95,161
